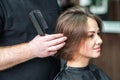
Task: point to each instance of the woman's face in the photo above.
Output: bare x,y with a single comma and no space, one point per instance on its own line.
92,46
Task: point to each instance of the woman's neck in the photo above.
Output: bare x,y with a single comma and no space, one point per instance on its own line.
81,62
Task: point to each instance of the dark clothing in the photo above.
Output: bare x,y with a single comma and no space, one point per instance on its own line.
91,72
36,69
16,27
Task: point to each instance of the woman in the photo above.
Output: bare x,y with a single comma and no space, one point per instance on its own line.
82,30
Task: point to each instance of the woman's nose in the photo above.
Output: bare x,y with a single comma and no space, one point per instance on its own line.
99,40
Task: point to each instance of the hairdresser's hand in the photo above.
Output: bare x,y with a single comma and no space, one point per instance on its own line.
44,46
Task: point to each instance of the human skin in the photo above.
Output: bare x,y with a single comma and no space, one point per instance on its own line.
40,46
90,48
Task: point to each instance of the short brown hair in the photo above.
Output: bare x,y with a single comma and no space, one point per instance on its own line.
73,23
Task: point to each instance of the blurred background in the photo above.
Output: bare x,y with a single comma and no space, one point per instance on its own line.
109,11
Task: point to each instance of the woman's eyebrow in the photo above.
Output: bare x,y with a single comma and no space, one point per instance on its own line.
92,31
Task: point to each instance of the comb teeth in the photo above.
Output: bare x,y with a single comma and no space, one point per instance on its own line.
38,21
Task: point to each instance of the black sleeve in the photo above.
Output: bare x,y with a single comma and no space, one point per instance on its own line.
1,17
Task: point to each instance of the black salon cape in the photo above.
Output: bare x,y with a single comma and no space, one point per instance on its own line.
91,72
16,27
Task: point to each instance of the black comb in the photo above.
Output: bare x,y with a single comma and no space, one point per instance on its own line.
38,21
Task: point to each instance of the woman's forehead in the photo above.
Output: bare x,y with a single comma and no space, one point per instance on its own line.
92,25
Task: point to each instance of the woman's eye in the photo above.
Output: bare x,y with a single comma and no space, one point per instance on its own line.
91,36
99,34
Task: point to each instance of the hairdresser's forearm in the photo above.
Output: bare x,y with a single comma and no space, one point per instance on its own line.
13,55
40,46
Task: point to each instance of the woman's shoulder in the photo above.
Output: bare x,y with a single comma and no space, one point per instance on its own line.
94,67
96,70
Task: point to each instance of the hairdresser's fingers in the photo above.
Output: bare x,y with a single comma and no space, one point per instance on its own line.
51,53
56,47
56,41
52,36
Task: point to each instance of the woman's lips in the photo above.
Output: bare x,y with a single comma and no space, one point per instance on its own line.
97,49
